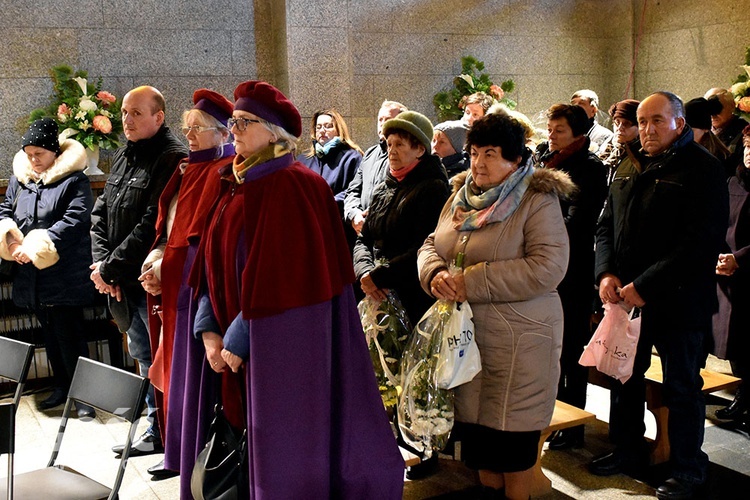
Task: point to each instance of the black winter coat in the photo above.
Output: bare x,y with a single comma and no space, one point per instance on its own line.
60,205
732,322
580,213
401,217
124,215
662,230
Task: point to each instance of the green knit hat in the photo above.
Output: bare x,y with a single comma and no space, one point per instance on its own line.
415,123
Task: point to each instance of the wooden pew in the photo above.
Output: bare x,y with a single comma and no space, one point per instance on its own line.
564,417
712,382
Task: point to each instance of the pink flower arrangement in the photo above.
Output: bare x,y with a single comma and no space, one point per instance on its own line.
744,104
63,112
497,92
106,98
102,124
83,111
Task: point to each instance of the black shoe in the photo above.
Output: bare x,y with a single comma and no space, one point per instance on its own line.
567,438
158,472
736,408
85,412
57,398
676,489
423,469
616,462
144,445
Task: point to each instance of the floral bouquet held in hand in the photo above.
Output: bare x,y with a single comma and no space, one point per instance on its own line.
425,411
82,110
386,328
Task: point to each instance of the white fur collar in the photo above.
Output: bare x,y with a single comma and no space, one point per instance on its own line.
71,159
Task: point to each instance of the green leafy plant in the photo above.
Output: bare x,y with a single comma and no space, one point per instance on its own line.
471,80
82,110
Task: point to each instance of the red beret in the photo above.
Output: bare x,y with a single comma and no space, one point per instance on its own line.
267,102
214,104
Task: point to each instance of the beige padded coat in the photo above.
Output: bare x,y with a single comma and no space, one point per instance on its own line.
511,269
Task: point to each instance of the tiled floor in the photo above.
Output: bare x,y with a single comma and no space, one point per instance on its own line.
87,448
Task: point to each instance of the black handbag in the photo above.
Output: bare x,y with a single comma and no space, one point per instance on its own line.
220,471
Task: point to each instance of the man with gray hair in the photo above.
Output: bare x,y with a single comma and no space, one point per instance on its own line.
601,137
728,127
371,171
657,243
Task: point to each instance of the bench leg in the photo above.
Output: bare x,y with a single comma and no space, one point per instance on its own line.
541,484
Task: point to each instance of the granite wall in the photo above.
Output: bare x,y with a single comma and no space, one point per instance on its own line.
353,54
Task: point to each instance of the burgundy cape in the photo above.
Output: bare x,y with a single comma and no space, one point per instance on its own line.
196,189
278,274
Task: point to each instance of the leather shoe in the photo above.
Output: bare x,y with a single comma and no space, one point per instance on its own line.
736,408
85,412
615,463
144,445
57,398
567,438
158,472
676,489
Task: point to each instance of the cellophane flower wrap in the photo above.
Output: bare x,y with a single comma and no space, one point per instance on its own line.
425,411
386,328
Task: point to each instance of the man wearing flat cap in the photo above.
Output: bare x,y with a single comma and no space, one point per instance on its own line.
123,230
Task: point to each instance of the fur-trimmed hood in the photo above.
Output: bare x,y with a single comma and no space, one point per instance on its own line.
72,159
543,180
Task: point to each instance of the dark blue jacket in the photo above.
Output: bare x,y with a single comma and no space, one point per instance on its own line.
60,205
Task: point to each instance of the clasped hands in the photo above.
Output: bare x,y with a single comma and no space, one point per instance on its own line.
218,357
447,286
611,290
101,286
19,254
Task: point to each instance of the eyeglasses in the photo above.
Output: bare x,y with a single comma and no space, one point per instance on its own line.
240,123
196,129
327,126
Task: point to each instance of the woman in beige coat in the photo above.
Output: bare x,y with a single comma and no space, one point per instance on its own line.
505,217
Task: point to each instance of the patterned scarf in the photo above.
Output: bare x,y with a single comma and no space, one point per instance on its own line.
473,209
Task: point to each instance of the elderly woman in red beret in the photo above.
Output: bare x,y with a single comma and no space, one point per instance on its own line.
183,210
277,310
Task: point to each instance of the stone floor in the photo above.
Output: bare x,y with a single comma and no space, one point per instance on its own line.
86,448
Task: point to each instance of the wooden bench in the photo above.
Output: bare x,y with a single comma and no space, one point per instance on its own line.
712,382
564,417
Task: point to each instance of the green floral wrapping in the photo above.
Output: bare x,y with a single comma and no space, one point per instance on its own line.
386,328
425,412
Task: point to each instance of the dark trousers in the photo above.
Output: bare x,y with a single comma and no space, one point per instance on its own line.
573,382
683,353
64,340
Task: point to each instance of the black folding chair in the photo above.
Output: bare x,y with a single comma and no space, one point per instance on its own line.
15,360
107,389
7,441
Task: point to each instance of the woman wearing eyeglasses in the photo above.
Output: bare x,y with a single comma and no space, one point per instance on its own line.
334,156
183,209
279,321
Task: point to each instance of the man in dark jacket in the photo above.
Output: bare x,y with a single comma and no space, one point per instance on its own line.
123,230
371,171
657,244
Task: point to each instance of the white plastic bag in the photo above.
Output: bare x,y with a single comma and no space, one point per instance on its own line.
458,360
613,346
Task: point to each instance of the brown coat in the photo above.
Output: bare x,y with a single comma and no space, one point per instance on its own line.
511,269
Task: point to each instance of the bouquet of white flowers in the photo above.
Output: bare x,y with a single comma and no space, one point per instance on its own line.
386,328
